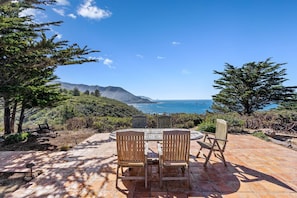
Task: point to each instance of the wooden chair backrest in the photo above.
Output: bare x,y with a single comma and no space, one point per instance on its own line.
139,121
130,146
164,121
176,145
221,132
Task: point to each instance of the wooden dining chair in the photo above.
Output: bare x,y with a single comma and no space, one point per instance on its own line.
216,144
139,121
174,152
132,152
164,121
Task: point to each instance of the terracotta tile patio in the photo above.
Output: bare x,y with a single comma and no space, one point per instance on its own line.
255,169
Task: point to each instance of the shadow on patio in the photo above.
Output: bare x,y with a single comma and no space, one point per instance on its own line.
255,168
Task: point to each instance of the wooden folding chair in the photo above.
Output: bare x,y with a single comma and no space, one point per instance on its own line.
216,143
174,152
132,152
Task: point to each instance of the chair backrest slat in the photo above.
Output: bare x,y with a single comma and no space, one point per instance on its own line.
130,146
176,145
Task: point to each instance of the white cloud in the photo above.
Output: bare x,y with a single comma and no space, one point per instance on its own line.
89,10
185,72
139,55
160,57
59,11
63,2
59,36
72,16
36,14
175,43
29,12
108,62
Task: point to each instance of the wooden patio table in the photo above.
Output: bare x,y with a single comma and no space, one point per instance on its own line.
156,134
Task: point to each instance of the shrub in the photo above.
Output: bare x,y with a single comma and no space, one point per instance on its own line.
261,135
108,124
15,138
65,148
79,123
207,126
183,120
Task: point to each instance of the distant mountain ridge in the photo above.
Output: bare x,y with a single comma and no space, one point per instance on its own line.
116,93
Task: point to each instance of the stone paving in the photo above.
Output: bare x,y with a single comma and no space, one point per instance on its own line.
255,168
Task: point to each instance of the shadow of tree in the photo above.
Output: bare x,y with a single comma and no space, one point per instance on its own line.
72,173
33,143
89,170
216,179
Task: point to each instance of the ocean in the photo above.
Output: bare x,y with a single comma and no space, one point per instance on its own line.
180,106
175,106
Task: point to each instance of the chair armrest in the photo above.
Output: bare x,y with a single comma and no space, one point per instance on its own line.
211,138
206,134
146,148
160,152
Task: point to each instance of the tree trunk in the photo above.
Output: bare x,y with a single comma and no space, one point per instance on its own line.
22,117
13,114
7,129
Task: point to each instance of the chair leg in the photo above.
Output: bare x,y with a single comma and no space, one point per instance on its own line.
117,178
188,181
145,176
207,158
223,158
161,175
198,152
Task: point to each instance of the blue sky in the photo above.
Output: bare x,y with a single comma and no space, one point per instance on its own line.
168,49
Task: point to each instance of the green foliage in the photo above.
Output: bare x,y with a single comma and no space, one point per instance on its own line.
76,92
78,107
261,135
15,138
207,126
79,123
88,105
87,92
108,124
289,105
235,122
65,148
183,120
28,59
179,120
251,87
97,93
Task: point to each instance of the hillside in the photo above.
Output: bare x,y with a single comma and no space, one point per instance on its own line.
81,106
116,93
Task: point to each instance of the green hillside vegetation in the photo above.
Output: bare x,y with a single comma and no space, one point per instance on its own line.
99,113
84,110
106,115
